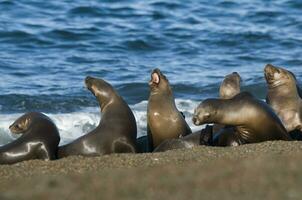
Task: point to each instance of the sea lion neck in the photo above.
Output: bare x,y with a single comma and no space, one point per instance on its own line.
225,112
284,88
278,83
103,91
157,92
106,99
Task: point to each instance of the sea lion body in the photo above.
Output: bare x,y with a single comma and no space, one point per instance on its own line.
202,137
253,120
116,132
39,140
164,121
283,96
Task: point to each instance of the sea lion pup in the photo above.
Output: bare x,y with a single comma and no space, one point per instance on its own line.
283,96
164,121
39,139
116,132
197,138
253,119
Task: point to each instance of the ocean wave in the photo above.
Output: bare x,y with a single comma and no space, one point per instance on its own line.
75,124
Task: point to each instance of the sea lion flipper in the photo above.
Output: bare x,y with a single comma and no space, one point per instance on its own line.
121,145
206,136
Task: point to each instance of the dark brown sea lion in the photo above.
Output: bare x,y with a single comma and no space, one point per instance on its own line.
202,137
39,139
253,120
283,96
164,121
116,132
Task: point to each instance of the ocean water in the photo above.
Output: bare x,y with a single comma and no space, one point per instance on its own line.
49,47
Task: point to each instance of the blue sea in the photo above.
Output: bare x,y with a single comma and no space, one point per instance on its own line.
49,47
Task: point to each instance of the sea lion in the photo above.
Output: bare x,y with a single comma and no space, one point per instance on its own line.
116,132
39,139
253,120
283,96
202,137
229,87
164,121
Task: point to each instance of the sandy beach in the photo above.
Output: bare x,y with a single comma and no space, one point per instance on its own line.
269,170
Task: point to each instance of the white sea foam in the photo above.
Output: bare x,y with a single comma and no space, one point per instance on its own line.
75,124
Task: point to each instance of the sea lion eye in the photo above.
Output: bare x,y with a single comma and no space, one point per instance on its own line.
207,115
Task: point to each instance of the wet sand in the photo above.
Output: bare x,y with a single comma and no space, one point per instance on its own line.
269,170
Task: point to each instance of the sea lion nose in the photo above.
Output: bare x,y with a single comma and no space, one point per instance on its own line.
269,68
88,80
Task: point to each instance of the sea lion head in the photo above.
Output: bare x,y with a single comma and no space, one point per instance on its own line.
102,90
205,112
159,82
276,76
20,125
23,123
230,86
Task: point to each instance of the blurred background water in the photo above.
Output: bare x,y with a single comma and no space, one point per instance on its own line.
48,47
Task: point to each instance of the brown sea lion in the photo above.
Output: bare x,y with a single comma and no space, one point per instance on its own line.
253,120
283,96
39,139
116,132
229,87
164,121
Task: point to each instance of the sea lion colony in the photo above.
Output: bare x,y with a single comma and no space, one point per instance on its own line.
237,117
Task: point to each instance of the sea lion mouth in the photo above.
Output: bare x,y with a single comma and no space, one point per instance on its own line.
196,121
89,84
269,73
155,78
15,129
